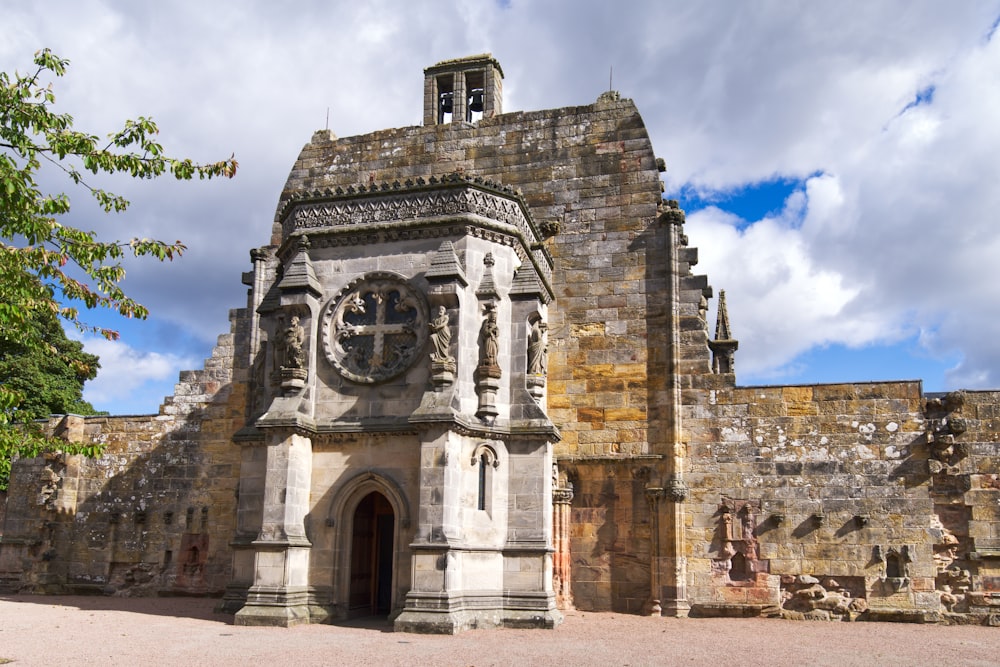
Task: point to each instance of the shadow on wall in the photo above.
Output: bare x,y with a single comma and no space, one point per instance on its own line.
152,516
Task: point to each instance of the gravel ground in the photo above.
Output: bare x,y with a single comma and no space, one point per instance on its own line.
69,630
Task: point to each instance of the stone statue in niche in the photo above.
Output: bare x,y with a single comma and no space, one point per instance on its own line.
443,365
490,338
290,355
440,328
294,339
488,372
538,348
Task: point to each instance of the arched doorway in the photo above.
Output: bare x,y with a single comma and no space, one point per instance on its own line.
371,556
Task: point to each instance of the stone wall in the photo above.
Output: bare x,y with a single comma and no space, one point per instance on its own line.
840,487
590,173
154,514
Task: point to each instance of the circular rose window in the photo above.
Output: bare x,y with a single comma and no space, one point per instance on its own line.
375,328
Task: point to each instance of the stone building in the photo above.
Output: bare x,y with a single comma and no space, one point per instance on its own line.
474,383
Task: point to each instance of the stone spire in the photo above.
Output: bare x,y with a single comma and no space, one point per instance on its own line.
299,273
722,319
724,346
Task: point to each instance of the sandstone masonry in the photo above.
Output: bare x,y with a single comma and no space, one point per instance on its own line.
474,383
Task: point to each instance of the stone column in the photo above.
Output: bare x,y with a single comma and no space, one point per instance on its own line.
281,550
459,101
562,499
653,497
667,567
672,553
434,603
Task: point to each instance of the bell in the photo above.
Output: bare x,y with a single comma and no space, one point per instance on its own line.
446,102
476,100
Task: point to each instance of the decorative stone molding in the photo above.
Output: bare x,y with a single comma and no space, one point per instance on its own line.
676,490
549,228
374,329
498,211
670,212
485,452
417,198
562,496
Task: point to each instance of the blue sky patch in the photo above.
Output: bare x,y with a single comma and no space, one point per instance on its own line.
751,202
905,360
924,96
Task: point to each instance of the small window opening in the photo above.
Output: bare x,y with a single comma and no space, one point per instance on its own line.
484,464
476,96
446,99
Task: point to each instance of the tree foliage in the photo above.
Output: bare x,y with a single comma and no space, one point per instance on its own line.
45,384
47,266
48,383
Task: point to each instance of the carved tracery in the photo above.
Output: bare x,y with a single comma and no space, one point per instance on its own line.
375,328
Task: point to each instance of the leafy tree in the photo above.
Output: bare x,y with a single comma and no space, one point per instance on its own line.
47,384
45,265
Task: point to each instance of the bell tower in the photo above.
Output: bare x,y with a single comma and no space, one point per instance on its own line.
463,90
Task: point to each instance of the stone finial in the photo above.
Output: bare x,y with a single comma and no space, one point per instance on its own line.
445,266
324,136
724,346
722,319
608,97
487,287
299,274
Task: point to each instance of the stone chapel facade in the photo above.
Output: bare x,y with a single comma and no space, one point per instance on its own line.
474,384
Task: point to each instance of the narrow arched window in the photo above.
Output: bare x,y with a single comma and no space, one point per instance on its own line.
484,467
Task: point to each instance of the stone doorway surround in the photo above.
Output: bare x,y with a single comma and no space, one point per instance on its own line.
385,499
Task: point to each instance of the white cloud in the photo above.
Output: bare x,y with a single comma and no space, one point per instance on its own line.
896,237
130,377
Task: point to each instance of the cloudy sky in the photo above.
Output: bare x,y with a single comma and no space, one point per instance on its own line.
839,161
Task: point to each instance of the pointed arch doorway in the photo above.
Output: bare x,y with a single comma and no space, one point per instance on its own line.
372,549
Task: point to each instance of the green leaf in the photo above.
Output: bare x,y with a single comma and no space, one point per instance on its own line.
44,263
